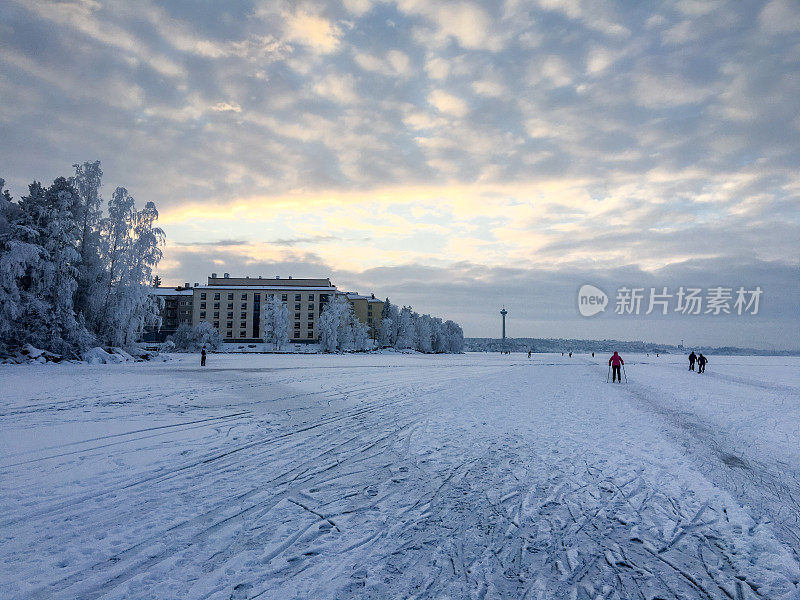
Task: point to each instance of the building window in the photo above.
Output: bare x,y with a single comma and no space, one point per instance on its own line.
230,305
216,314
257,297
202,315
229,334
230,296
310,325
284,297
298,297
202,295
296,315
310,334
243,316
297,325
216,305
244,296
229,325
216,324
230,314
311,297
202,305
297,307
244,305
310,306
243,333
297,334
216,296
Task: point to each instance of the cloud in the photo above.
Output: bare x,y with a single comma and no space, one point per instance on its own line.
226,107
313,31
448,103
779,17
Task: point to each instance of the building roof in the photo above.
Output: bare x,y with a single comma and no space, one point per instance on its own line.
159,291
272,282
266,285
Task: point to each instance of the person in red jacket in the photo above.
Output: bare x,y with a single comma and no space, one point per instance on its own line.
616,362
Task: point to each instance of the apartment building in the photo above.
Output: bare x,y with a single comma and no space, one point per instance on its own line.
177,309
368,310
233,306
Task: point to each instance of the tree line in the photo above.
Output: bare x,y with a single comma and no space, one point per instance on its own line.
70,276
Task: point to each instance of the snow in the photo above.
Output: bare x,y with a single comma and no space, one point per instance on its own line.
400,476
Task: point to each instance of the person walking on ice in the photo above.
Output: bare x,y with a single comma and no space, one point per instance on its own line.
616,362
692,358
203,357
701,363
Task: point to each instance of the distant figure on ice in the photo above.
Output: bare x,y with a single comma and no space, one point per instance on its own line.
570,354
203,357
592,354
529,353
701,363
562,354
692,358
616,363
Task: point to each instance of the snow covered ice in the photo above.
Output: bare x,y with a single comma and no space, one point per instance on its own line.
401,476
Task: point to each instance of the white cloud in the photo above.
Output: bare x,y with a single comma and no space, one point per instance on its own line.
465,22
780,16
226,107
313,31
665,90
488,87
448,103
394,64
340,88
599,59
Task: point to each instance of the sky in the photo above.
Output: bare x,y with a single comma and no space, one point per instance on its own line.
457,156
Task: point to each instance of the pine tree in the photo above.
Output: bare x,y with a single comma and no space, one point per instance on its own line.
88,211
156,281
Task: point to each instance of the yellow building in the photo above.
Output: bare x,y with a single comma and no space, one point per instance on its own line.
233,305
368,310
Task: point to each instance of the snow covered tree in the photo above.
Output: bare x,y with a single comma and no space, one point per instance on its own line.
340,329
390,319
406,332
275,322
156,281
454,336
329,323
208,337
192,339
423,332
88,211
69,278
19,258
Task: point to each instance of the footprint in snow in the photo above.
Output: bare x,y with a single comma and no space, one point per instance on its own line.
371,491
241,591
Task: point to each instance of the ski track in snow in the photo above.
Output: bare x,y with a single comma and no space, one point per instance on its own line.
401,476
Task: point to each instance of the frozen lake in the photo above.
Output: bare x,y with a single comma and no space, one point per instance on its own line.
401,476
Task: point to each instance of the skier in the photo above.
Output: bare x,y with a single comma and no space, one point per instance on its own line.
203,357
692,358
701,363
616,362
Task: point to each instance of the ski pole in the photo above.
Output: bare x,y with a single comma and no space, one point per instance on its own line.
609,373
624,373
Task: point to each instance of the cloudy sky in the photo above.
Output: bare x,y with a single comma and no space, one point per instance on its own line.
451,155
